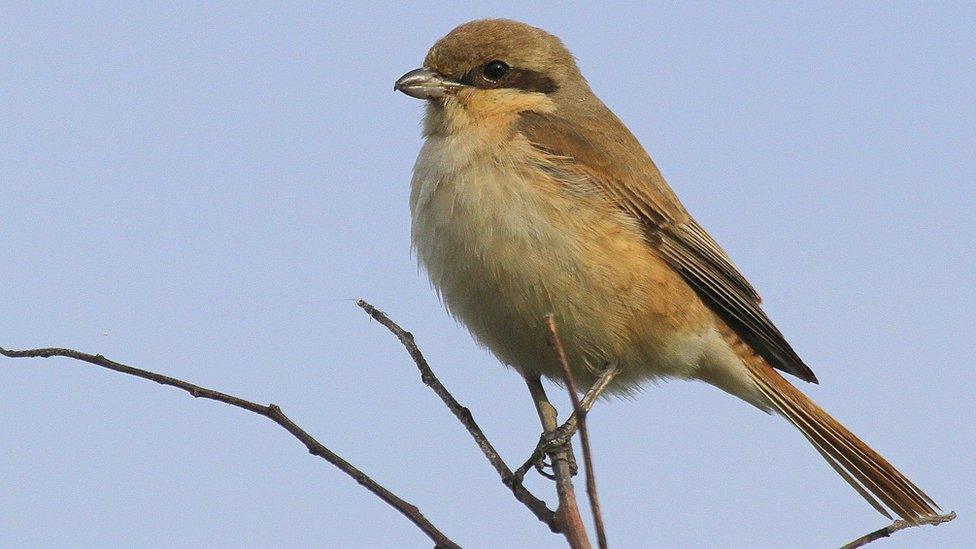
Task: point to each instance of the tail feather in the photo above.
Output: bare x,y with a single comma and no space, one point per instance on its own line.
865,470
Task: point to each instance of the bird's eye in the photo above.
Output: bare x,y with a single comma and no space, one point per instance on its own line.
495,70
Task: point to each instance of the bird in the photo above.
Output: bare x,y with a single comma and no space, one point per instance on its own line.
530,198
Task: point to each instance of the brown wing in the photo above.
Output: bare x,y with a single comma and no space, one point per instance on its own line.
599,148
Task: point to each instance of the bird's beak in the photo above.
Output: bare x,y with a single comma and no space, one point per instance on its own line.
425,84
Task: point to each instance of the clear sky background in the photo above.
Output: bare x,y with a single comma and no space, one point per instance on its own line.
205,190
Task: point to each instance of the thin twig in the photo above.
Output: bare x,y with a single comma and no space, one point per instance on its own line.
537,455
534,504
573,388
568,511
896,526
272,412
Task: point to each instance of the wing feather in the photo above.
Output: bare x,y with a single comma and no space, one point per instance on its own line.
609,158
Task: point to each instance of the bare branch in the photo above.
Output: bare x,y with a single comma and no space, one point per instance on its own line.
568,511
534,504
272,412
896,526
573,388
565,520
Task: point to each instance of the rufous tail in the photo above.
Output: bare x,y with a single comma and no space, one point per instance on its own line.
883,486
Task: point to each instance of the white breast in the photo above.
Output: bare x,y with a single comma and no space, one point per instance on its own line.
488,242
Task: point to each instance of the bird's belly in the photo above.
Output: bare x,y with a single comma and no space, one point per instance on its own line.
504,250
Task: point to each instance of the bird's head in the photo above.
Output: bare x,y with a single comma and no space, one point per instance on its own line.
486,73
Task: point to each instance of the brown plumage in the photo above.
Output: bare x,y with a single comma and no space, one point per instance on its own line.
531,197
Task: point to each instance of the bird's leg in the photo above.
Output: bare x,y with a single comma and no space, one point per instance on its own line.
600,385
558,439
568,518
564,433
560,454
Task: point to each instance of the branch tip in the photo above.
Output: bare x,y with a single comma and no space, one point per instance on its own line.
896,526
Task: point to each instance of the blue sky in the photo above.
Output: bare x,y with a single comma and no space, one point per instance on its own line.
204,190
